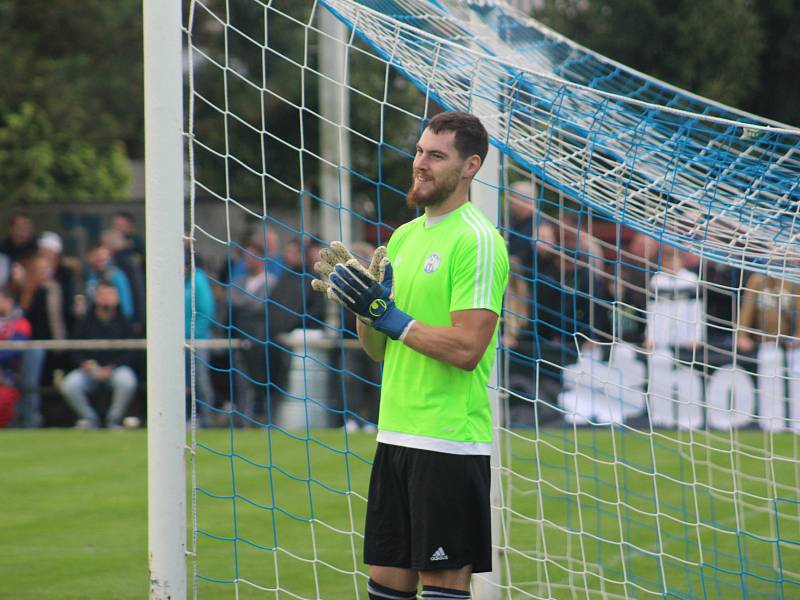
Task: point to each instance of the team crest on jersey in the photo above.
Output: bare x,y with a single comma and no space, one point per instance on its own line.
432,263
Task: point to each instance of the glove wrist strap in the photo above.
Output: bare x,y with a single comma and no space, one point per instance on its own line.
403,335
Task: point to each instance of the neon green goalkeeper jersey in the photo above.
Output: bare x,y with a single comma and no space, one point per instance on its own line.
458,263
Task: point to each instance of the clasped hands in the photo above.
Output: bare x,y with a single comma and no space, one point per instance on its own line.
365,291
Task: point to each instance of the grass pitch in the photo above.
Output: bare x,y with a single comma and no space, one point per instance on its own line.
702,515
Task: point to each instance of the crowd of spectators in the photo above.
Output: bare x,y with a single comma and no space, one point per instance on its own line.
47,296
260,294
569,292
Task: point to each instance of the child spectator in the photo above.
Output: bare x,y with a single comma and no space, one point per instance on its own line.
13,326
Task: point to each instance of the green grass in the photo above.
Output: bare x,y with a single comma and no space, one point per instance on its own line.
73,514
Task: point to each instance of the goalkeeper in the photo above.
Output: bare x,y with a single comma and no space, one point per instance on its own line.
428,307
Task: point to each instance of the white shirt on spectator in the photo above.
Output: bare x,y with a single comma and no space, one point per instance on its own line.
675,310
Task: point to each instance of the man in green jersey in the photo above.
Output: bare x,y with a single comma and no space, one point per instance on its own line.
429,310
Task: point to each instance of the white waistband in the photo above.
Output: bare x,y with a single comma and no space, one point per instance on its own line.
422,442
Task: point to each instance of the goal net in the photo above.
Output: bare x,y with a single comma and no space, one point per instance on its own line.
647,385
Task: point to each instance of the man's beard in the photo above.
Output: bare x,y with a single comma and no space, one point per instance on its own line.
438,195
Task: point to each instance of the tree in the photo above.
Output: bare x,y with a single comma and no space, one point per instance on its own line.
740,52
71,100
712,48
261,114
778,95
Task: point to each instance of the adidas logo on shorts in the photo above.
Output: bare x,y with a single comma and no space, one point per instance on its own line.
439,554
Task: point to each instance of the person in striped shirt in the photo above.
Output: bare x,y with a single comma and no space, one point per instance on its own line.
432,319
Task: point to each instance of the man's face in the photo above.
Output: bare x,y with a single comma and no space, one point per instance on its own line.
99,257
293,256
121,224
253,260
21,229
106,301
437,171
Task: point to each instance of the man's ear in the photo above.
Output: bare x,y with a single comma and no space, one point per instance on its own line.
471,166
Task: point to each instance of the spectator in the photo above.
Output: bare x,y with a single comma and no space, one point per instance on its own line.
106,368
13,326
249,295
99,267
770,312
362,375
520,253
292,305
5,270
51,247
274,258
675,328
675,311
522,207
123,259
42,303
204,311
535,330
236,267
20,245
631,288
721,283
123,222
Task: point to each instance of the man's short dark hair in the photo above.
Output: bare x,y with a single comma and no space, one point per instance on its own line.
106,283
17,215
471,137
125,214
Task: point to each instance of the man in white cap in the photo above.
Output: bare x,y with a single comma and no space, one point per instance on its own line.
51,246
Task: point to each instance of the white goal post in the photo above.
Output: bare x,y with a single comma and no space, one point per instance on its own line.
643,449
166,481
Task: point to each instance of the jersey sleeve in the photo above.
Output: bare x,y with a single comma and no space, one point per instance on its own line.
479,269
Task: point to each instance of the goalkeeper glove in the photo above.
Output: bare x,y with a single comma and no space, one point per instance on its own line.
338,254
359,292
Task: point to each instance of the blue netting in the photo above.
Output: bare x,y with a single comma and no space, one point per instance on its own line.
603,495
688,171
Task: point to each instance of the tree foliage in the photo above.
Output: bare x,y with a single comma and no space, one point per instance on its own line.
740,52
71,100
71,103
261,114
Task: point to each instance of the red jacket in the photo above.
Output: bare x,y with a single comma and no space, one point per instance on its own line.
15,327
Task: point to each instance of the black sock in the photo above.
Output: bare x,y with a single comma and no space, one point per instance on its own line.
381,592
431,592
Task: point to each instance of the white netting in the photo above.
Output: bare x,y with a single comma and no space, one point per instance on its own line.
649,396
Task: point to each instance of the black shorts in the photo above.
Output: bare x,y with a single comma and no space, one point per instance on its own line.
428,510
